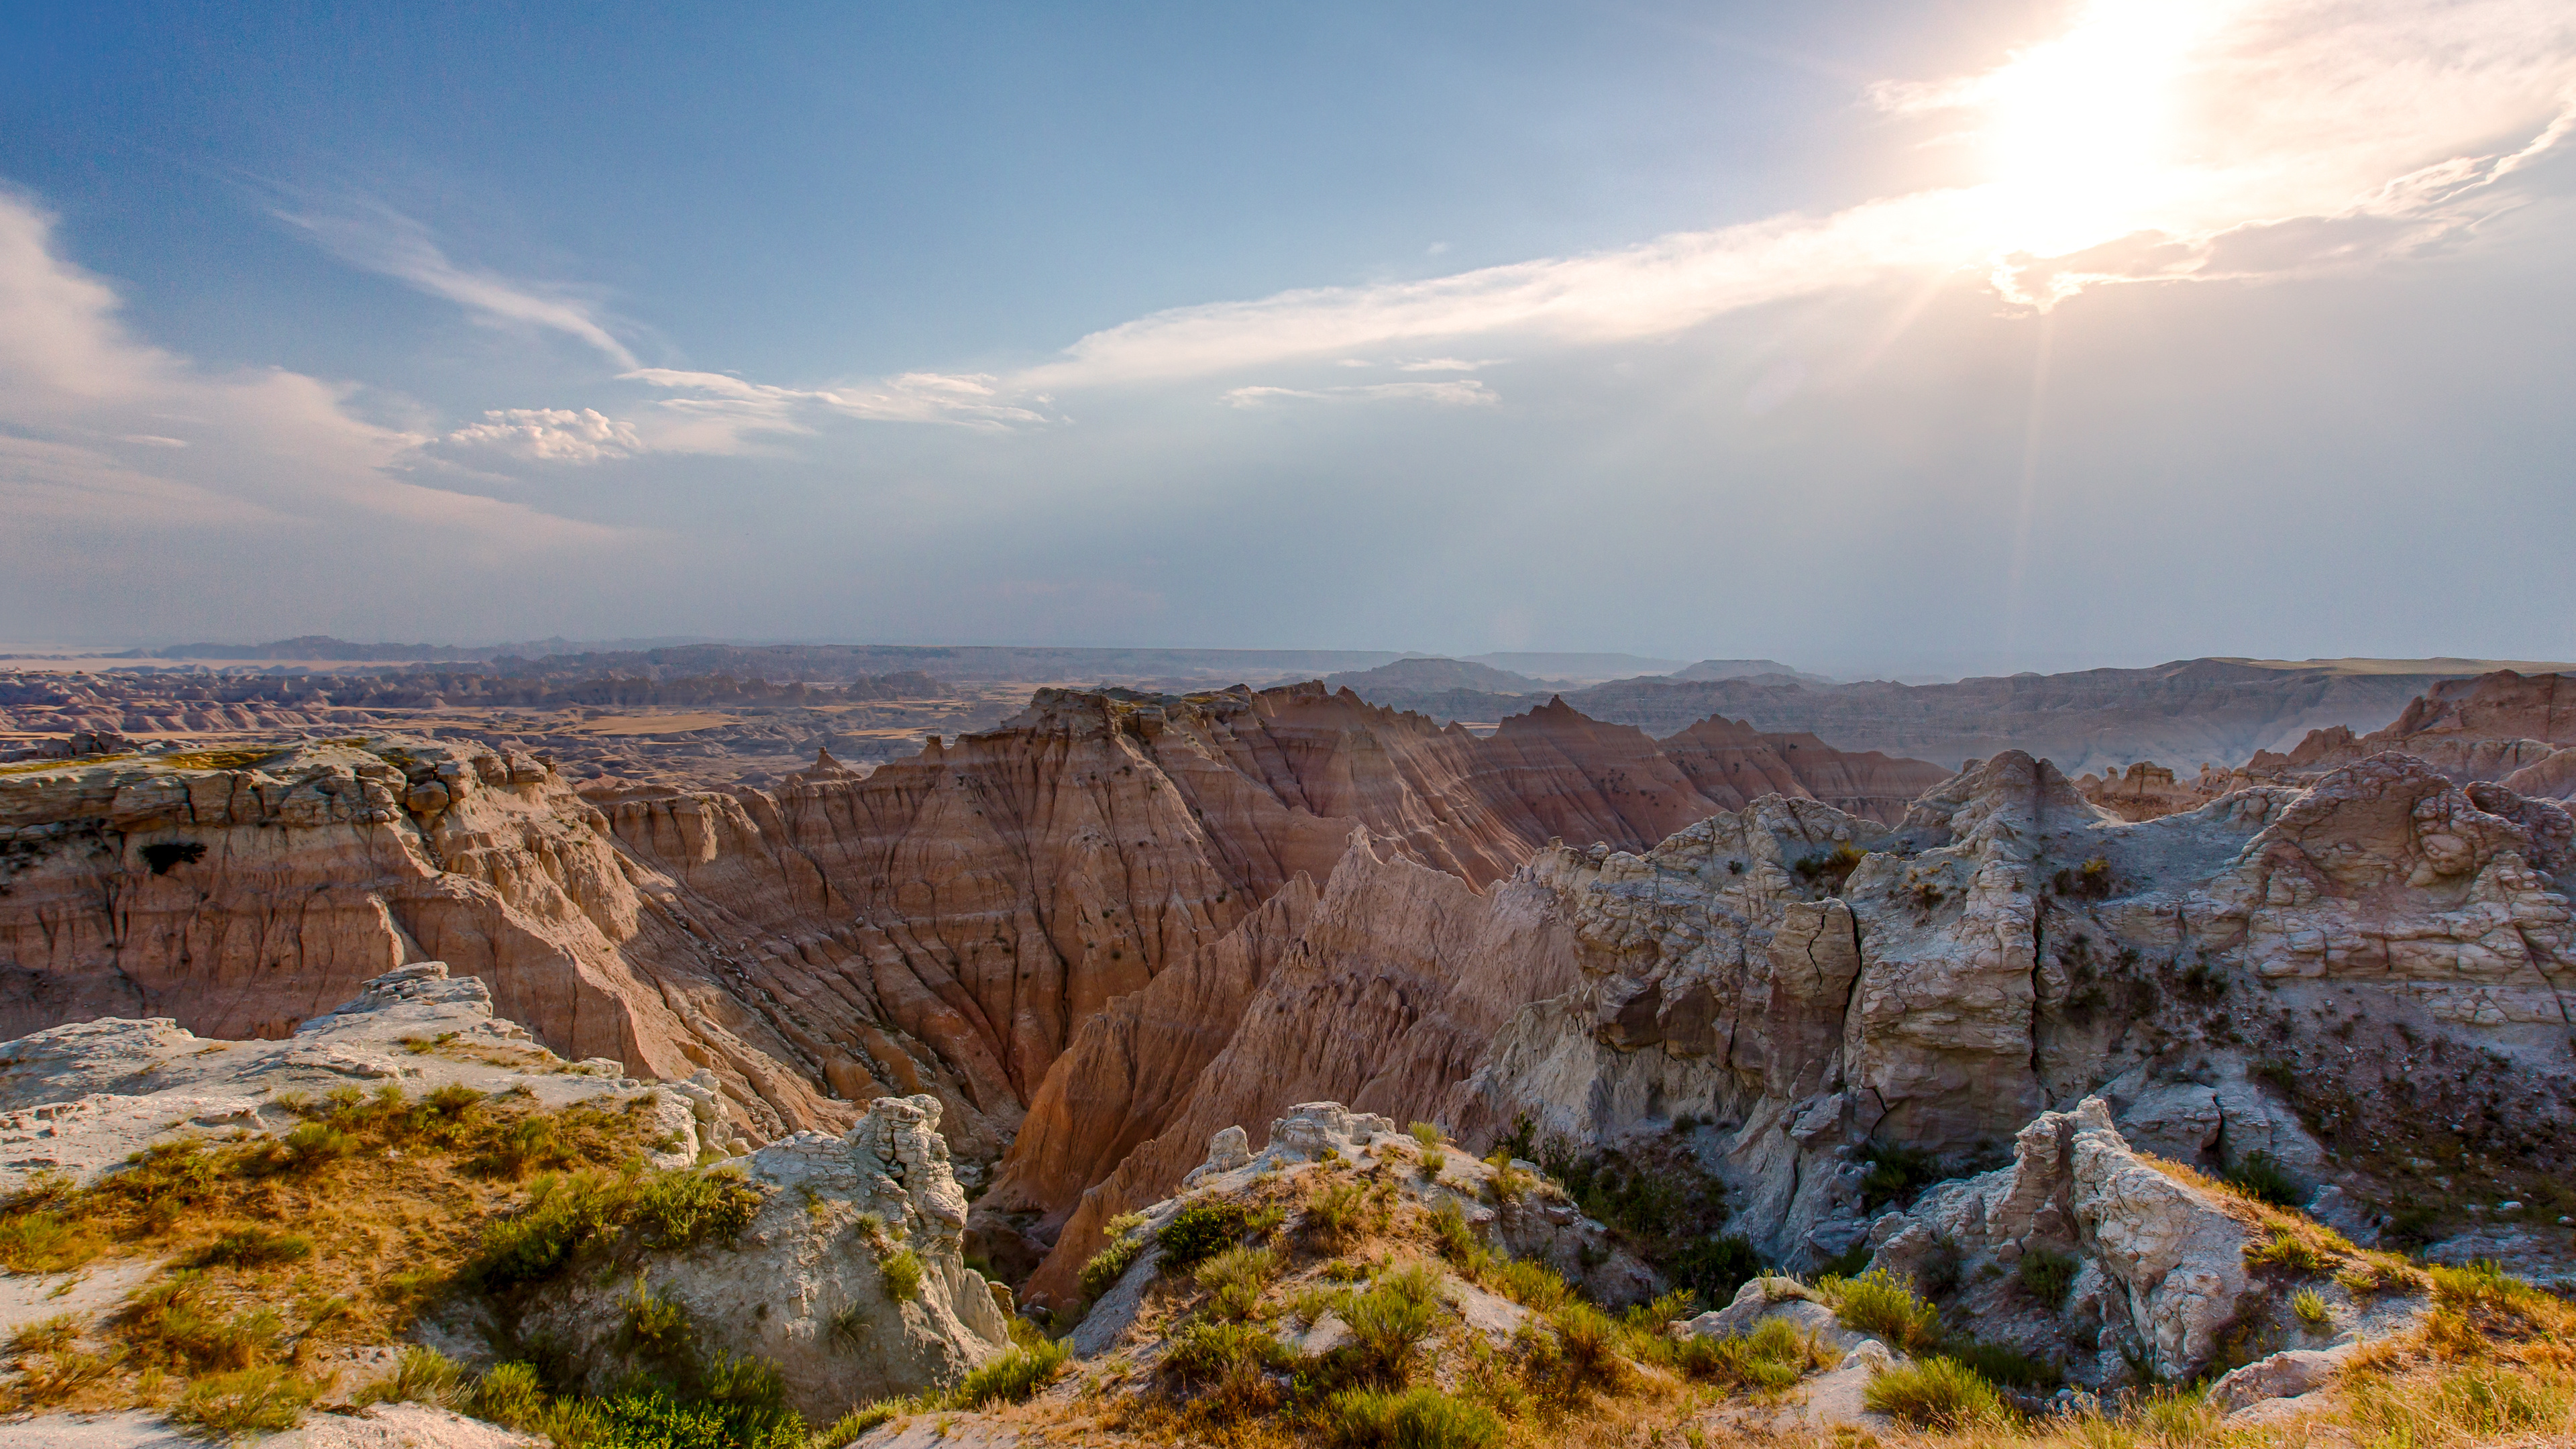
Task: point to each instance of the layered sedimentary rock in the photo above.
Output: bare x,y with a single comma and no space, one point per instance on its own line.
1366,1002
2371,942
2514,729
944,925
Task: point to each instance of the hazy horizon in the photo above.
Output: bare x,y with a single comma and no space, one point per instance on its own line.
1879,340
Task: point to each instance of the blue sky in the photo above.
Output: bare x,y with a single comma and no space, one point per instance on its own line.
1848,334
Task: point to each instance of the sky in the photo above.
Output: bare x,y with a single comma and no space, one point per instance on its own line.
1848,334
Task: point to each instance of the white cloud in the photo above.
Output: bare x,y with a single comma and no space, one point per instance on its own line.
549,435
103,431
719,413
1467,393
381,240
2156,140
1447,364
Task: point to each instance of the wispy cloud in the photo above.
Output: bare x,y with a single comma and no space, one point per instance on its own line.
546,435
104,431
1468,393
2155,140
378,239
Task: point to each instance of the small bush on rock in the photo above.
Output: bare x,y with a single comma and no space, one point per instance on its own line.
2046,1276
1880,1303
1010,1377
902,1273
1201,1230
1109,1265
1934,1393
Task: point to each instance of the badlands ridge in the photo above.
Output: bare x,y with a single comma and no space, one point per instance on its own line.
1086,945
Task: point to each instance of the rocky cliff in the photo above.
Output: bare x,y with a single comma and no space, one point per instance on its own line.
2515,729
944,925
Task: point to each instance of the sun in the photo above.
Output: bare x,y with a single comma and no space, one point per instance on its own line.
2080,131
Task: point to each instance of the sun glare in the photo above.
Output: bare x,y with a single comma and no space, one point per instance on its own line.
2080,129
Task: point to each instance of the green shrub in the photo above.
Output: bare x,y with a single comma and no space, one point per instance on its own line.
1434,1164
1340,1215
1999,1364
1422,1418
2291,1250
1895,1174
1109,1265
1426,1133
1386,1322
315,1144
1713,1268
1934,1393
2046,1276
2260,1176
1204,1353
510,1395
1510,1184
1772,1357
1880,1303
1527,1282
656,1418
902,1273
655,1326
2310,1306
1201,1230
1011,1376
1235,1279
261,1400
252,1247
1457,1241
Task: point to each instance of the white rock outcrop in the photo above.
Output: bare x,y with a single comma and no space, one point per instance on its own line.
811,1285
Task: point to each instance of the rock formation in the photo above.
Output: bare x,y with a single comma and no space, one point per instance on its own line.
809,1285
2513,729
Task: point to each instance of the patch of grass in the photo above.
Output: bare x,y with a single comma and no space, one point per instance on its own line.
2046,1276
1433,1164
655,1326
46,1335
422,1375
1235,1280
1426,1133
2310,1306
901,1270
1010,1376
42,1242
1109,1265
2260,1176
252,1247
663,1210
1772,1357
1883,1305
1510,1184
2002,1364
1387,1323
1206,1354
1423,1418
1935,1393
1895,1174
62,1375
1202,1230
175,1321
859,1421
1342,1214
261,1400
2293,1251
2377,1273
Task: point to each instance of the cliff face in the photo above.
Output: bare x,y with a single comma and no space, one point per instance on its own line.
2369,942
944,925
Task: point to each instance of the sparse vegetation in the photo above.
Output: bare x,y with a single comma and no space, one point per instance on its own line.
1880,1303
2260,1176
2046,1276
1201,1230
1934,1393
901,1270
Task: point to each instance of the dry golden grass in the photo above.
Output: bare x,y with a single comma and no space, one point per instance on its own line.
329,1238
